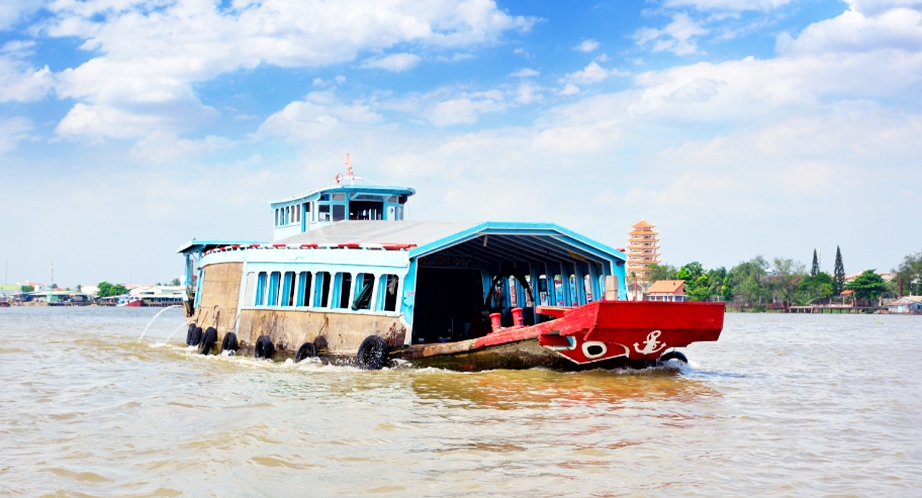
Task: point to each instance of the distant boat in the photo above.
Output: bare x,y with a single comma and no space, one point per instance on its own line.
129,302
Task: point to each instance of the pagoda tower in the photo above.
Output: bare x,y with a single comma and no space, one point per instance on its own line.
642,249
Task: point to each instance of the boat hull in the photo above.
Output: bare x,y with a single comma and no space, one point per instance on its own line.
605,334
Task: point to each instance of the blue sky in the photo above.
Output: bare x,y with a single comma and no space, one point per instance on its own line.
739,127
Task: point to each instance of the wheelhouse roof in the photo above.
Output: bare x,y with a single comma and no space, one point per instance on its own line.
349,188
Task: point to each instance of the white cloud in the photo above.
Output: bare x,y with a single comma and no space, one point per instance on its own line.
528,93
593,73
728,5
12,131
525,73
462,110
319,116
587,46
677,37
19,81
569,89
394,62
161,147
873,7
851,32
12,11
151,55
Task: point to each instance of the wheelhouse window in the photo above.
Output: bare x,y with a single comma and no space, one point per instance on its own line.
387,292
276,217
323,212
364,285
339,212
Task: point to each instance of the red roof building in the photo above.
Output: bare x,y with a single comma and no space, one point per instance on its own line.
666,290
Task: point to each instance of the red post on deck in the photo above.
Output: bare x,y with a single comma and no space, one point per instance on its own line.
495,321
517,320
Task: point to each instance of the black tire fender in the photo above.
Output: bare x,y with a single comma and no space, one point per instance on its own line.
189,334
372,354
196,336
229,343
307,350
208,339
264,348
673,355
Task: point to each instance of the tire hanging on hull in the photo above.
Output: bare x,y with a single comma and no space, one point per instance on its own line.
229,343
372,354
264,348
208,339
307,350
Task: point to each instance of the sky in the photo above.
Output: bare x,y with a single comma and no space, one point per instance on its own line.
738,127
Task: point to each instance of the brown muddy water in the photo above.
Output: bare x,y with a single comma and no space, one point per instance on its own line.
782,405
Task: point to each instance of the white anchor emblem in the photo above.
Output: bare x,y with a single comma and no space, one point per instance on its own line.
650,344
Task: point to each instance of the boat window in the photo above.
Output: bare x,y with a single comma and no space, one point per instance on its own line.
288,289
387,292
304,289
307,210
276,217
323,212
587,285
261,289
324,197
250,290
273,293
364,284
339,197
344,289
322,289
339,212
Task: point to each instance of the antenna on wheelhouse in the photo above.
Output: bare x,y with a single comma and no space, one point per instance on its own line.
349,173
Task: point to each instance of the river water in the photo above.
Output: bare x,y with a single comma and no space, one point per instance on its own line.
781,405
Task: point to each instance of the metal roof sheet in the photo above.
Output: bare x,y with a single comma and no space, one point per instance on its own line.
378,232
490,241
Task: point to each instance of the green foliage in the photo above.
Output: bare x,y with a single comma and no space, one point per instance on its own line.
174,282
744,283
27,288
910,273
106,289
659,271
783,284
815,289
868,285
838,274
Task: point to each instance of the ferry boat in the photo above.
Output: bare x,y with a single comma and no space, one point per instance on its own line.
348,279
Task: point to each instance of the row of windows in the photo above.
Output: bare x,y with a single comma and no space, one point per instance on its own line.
323,290
291,214
325,212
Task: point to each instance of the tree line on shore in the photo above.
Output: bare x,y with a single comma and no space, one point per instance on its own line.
751,285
